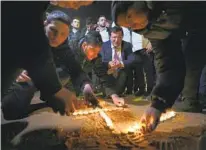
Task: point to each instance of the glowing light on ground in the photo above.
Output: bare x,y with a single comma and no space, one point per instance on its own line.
164,116
107,119
135,126
167,115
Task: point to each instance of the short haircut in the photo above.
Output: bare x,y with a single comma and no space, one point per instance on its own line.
59,15
116,29
77,18
101,16
90,21
94,38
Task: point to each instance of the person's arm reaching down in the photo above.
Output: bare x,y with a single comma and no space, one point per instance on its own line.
43,73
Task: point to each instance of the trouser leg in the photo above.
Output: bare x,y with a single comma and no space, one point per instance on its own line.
16,102
195,59
170,68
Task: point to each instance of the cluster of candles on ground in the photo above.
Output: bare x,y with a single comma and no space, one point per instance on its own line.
134,128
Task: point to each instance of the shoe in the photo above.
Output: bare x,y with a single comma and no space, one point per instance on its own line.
187,105
139,93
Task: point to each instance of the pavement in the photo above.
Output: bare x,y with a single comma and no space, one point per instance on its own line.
45,123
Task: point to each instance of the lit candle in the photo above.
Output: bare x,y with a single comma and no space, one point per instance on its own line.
105,109
167,115
107,119
90,111
85,112
75,113
80,113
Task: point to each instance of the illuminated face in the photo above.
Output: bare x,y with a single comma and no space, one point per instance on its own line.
75,23
121,20
133,19
116,38
102,21
136,20
91,51
57,32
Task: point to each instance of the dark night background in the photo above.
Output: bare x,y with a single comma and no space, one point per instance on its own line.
94,10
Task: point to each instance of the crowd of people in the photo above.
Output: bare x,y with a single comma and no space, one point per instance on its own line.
126,56
136,82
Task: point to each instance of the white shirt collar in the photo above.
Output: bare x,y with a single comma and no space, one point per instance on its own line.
74,30
112,46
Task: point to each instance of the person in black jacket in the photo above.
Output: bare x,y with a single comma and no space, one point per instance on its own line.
164,23
16,100
74,34
30,50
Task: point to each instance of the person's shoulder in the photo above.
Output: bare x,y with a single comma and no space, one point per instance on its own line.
83,29
127,44
106,43
127,47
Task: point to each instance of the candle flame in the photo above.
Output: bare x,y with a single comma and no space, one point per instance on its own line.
134,128
137,126
167,115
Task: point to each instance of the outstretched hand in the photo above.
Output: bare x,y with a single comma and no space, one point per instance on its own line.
150,119
65,101
118,101
89,95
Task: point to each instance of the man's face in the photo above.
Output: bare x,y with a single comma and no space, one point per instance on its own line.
102,21
133,19
75,23
90,27
57,32
116,38
91,51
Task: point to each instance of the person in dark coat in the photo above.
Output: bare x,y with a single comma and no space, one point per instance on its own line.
164,24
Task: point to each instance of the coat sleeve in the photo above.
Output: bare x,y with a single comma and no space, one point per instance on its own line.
43,74
130,56
104,58
78,76
100,69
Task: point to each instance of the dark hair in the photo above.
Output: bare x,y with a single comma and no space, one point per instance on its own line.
59,15
93,37
101,16
90,21
141,6
116,29
77,18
